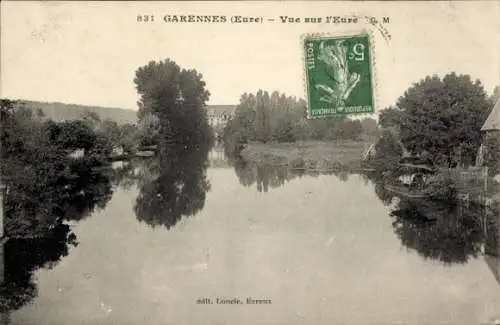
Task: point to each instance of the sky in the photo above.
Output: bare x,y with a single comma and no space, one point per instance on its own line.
87,52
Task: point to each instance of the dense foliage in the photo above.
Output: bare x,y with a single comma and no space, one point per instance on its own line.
441,116
280,118
172,106
43,186
492,153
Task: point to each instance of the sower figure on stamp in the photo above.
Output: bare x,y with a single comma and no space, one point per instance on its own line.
343,82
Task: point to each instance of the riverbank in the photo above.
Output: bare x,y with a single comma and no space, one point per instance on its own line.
308,155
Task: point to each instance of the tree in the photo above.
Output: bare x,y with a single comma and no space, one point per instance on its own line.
441,116
177,97
21,130
91,119
263,117
351,129
277,117
495,95
71,134
492,155
369,126
263,110
148,130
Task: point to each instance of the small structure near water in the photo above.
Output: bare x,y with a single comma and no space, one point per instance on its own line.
490,131
78,153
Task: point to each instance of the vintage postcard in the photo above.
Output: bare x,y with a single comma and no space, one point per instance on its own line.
248,162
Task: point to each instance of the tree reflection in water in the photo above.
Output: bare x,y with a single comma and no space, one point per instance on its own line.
73,193
137,172
492,245
451,232
177,189
268,176
24,256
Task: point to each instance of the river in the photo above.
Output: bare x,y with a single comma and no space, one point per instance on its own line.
314,249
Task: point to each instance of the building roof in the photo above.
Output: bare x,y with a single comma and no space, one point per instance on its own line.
220,109
493,120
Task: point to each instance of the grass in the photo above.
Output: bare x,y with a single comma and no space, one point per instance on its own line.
309,155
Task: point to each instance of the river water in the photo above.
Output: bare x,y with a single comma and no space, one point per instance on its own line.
322,249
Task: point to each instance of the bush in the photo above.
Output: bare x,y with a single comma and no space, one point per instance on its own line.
492,154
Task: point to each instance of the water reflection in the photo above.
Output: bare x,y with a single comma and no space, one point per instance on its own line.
492,245
293,247
267,177
22,257
449,231
172,185
137,172
217,158
37,204
442,232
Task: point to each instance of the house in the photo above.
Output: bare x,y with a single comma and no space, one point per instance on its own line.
219,114
490,130
77,153
492,124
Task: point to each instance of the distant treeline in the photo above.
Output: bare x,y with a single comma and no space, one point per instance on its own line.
280,118
60,111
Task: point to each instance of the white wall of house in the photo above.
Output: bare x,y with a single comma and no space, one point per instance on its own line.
215,119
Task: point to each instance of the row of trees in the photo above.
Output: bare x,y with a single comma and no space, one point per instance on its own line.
125,135
87,132
268,117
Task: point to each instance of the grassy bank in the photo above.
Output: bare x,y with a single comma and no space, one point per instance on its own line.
309,155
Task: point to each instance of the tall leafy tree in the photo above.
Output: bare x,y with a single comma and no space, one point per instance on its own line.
177,97
441,116
369,126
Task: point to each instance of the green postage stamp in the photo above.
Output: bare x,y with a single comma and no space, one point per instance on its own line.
339,75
